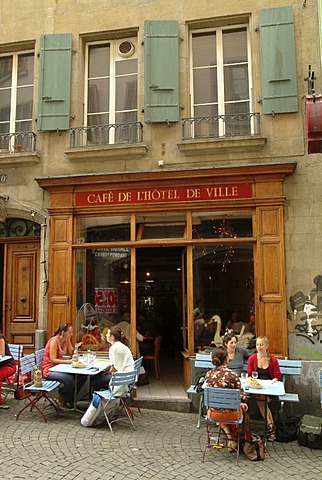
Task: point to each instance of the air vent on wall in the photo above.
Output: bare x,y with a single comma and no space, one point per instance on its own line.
126,49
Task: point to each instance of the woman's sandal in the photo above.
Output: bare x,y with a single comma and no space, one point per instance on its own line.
3,406
271,436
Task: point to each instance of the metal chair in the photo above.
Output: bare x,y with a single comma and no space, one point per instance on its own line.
14,380
28,363
119,389
137,366
39,354
155,356
225,399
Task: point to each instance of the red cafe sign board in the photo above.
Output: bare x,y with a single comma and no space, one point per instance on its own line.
163,195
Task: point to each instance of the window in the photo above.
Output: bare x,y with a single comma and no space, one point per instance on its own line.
111,91
221,81
16,93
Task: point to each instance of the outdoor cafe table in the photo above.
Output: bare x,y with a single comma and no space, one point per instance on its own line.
90,370
269,389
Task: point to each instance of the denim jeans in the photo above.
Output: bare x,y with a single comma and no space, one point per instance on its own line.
68,381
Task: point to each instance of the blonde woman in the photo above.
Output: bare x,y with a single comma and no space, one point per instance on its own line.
268,369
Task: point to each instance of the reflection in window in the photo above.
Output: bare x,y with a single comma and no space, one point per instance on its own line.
210,226
103,229
103,282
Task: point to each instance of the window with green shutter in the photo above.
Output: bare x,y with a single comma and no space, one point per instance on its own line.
278,60
161,71
54,82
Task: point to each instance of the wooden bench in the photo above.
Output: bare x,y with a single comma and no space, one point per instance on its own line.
288,367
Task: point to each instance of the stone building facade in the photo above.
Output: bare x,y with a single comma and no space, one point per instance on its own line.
154,116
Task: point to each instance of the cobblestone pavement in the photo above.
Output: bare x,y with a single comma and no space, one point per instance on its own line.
165,445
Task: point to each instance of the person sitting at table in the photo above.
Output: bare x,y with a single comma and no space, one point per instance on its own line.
222,377
58,347
7,367
236,355
121,359
268,368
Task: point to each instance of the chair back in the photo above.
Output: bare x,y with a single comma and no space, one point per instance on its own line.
39,357
16,351
27,365
137,365
226,398
121,383
157,344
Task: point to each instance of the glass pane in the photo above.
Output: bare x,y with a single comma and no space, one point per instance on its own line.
102,293
235,46
160,226
126,93
5,105
98,61
223,283
98,95
207,127
204,49
125,132
4,127
102,119
237,124
125,67
221,225
25,69
25,126
5,71
205,85
236,83
103,229
24,103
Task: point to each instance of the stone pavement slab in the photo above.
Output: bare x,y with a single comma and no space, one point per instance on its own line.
165,446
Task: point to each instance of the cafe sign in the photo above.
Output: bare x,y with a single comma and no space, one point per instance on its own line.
163,195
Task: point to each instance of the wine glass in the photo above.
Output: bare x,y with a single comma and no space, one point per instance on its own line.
255,375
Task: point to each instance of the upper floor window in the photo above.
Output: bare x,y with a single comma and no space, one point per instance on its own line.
111,93
221,78
16,92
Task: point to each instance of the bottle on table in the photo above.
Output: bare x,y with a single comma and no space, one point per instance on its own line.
75,357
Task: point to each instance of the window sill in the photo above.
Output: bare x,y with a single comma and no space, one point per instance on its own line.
21,159
217,146
106,152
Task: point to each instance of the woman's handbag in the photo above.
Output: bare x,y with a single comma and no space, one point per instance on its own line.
253,447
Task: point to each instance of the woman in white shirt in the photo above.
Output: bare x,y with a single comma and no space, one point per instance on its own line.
120,356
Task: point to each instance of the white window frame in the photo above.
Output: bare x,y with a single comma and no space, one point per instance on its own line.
114,57
220,70
14,90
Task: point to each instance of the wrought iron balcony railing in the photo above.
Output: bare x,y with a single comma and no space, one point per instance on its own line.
217,126
17,142
99,135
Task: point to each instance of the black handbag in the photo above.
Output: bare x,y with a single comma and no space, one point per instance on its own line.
286,429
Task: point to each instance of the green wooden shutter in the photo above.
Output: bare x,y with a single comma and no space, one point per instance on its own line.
279,82
161,71
54,82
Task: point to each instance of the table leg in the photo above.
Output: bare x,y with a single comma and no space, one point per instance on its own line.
265,424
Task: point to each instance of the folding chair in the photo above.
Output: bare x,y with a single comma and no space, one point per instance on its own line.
228,400
119,389
39,354
13,381
137,366
28,363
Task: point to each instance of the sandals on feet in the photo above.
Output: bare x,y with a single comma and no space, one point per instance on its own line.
3,406
271,436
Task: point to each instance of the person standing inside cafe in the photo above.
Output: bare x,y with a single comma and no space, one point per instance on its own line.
7,367
58,347
268,368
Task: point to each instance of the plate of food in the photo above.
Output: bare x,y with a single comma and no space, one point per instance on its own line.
78,365
253,383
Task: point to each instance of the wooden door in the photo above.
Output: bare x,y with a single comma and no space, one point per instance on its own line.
21,286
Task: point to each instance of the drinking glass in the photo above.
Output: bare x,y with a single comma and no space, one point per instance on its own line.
254,375
243,376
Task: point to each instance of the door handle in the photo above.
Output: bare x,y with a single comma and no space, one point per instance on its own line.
23,299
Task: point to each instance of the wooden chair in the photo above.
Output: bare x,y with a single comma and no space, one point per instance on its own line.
28,363
13,381
155,356
227,399
119,389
